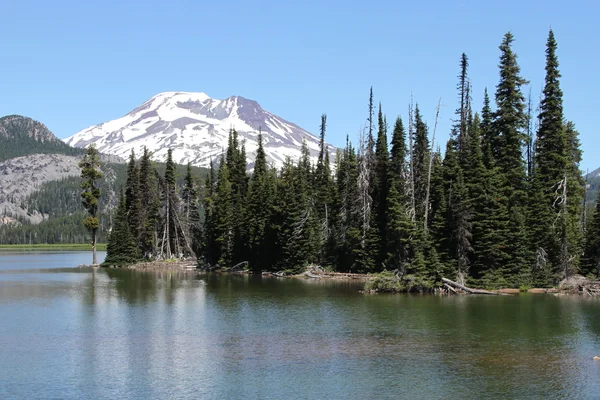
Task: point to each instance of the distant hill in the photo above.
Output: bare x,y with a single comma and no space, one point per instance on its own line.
22,136
593,182
40,197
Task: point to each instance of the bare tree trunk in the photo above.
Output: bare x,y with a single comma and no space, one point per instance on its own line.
364,189
565,256
467,289
437,115
411,159
94,239
584,213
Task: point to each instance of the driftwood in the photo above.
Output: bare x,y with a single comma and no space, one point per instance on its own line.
580,284
450,288
457,285
239,267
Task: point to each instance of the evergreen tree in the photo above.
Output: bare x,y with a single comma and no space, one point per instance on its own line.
132,197
191,213
223,217
90,173
490,145
508,127
323,189
591,256
380,194
557,182
209,246
149,206
460,129
172,234
121,248
259,208
400,229
510,119
348,221
420,154
236,164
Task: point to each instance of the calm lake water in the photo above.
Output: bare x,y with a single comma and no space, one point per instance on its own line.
70,333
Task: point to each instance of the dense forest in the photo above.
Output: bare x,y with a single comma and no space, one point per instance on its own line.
502,207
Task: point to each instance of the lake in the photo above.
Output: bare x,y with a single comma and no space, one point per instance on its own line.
76,333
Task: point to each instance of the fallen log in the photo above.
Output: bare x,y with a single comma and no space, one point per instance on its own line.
467,289
450,288
239,267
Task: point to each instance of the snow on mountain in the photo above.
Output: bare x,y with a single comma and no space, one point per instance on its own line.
196,127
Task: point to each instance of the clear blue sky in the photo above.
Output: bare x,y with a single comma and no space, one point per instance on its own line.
71,64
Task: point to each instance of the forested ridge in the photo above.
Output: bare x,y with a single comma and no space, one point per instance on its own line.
60,202
21,136
503,206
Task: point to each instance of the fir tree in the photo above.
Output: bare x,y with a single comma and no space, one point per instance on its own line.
132,197
121,248
90,173
380,194
323,189
149,206
420,154
460,129
490,145
191,214
557,182
259,207
400,229
223,217
508,128
172,234
591,256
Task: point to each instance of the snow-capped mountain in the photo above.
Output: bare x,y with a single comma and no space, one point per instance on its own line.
196,128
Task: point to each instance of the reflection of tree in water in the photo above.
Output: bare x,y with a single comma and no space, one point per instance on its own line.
140,287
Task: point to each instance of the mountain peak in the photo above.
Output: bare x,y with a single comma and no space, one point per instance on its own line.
19,126
21,136
196,127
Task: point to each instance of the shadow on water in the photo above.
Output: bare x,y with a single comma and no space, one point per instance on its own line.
140,287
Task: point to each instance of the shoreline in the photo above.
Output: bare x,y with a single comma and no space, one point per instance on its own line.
51,247
191,266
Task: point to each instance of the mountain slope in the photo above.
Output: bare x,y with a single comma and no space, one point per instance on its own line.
21,136
593,185
196,127
21,176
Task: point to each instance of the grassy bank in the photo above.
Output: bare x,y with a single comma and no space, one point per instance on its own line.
46,247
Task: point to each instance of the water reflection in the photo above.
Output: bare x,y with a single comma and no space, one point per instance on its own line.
131,334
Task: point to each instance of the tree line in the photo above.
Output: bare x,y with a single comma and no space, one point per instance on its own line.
502,207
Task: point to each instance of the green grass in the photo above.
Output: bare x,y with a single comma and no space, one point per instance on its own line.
42,247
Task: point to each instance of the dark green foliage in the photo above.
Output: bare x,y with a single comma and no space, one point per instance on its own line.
121,248
57,230
421,154
133,194
381,187
259,208
324,190
591,257
555,209
90,195
190,215
149,207
223,217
